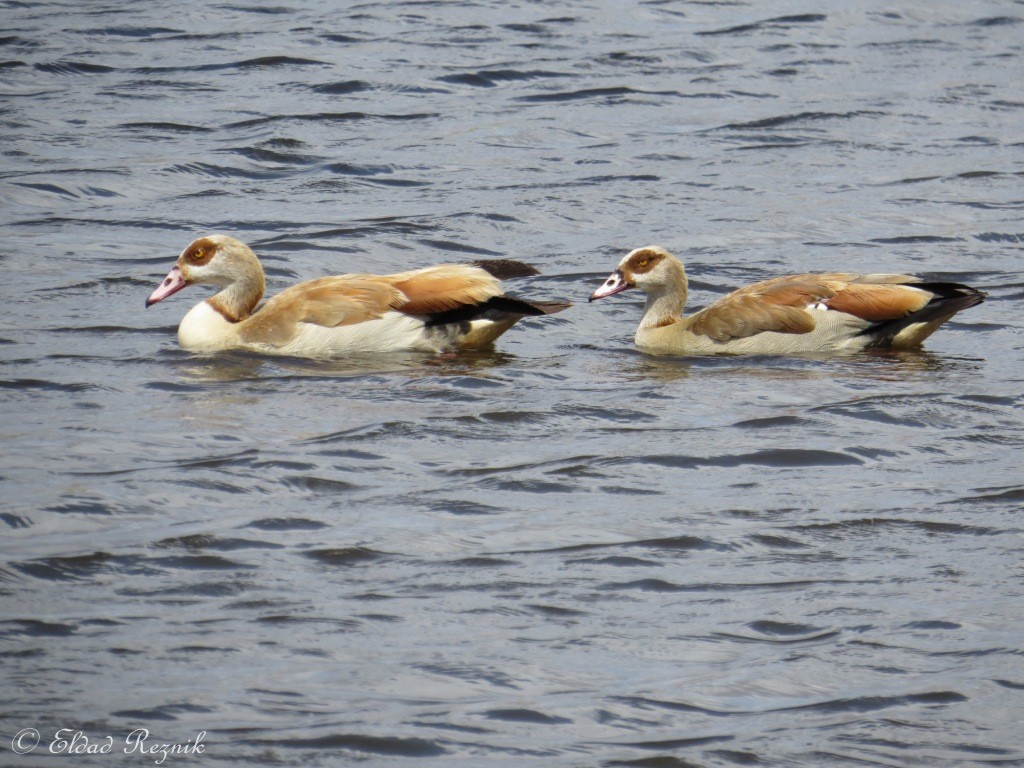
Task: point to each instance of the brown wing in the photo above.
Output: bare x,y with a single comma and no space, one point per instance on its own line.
781,305
445,287
777,305
350,299
327,301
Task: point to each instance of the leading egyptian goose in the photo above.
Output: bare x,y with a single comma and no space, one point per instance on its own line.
443,308
829,312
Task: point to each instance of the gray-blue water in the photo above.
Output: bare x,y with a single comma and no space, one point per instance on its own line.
561,553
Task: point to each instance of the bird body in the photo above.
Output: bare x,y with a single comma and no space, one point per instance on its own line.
442,308
806,313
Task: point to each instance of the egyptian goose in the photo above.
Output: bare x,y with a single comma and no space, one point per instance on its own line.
442,308
802,313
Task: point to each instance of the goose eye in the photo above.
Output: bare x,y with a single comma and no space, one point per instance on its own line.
643,262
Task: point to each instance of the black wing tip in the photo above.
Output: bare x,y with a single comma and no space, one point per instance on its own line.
503,305
550,307
514,305
955,297
506,269
974,297
953,291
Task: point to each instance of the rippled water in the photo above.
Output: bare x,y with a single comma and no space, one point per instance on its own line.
561,553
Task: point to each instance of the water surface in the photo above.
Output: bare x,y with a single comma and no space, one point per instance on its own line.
561,552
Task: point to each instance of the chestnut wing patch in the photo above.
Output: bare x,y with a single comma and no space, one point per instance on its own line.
443,288
877,303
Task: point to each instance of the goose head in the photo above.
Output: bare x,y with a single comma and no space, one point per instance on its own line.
650,269
215,260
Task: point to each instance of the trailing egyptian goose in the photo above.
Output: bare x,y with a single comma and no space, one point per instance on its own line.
442,308
828,312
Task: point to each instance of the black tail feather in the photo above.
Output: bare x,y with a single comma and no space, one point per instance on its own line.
528,307
951,291
505,269
506,305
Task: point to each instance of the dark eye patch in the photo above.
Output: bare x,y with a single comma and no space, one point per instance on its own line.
645,260
200,252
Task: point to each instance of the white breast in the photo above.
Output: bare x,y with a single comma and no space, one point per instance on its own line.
204,329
